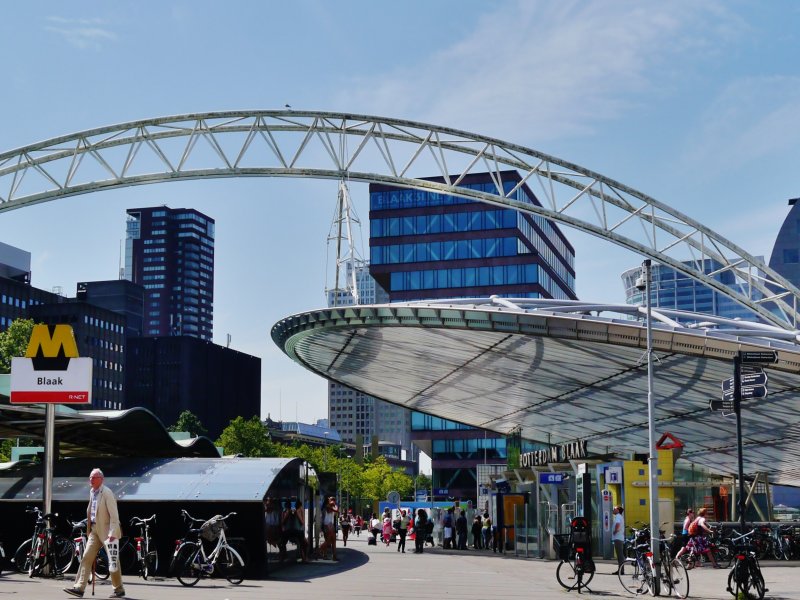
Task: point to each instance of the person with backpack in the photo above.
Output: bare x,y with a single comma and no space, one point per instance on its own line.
697,531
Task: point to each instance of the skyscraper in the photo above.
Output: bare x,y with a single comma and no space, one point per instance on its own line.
426,245
170,252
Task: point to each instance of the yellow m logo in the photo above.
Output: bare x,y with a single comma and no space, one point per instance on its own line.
52,341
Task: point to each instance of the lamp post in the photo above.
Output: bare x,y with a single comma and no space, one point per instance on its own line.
652,461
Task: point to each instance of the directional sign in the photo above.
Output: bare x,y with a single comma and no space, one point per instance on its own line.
748,392
545,478
748,380
441,491
720,405
764,357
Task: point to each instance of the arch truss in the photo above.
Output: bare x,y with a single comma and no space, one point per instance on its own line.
394,152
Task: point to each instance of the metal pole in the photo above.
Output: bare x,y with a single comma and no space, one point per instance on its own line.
49,450
737,408
651,421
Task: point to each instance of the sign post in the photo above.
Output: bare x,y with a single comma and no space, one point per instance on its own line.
51,373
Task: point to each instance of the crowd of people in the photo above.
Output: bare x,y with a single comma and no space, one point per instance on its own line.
285,523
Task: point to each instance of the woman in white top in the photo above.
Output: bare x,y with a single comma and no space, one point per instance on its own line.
329,515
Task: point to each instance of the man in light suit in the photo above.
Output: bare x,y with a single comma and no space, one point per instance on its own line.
102,524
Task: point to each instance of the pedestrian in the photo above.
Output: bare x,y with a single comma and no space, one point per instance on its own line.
102,526
448,523
420,529
487,531
461,530
344,525
684,539
477,534
293,525
402,530
359,525
375,526
330,514
697,533
618,535
387,529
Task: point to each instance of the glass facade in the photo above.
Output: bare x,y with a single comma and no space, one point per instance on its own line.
172,250
671,289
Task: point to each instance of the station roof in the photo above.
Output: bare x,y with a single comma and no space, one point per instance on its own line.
131,432
152,479
563,371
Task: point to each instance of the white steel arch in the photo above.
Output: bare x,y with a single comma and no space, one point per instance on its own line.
395,152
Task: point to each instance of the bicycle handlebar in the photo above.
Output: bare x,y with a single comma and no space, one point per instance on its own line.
141,521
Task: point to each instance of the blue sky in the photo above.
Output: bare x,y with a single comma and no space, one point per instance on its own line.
694,103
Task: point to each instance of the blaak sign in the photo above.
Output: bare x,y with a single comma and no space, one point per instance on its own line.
51,371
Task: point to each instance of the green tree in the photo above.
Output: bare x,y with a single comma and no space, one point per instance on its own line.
380,479
423,482
14,342
188,421
248,438
7,444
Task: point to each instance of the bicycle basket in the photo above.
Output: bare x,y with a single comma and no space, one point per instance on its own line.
580,532
561,545
211,529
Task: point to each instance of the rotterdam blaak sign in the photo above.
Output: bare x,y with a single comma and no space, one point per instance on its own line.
51,371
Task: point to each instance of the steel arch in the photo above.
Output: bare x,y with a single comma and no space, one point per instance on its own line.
392,151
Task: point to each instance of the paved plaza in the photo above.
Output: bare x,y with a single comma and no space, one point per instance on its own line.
380,572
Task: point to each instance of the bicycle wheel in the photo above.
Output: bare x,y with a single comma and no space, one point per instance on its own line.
36,562
101,564
651,575
63,553
230,565
150,563
676,579
22,557
724,554
566,575
630,576
754,587
188,564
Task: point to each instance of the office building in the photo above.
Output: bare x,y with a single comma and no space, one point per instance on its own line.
118,295
785,258
170,252
426,245
168,375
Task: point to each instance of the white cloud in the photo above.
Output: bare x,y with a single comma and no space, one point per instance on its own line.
560,69
81,33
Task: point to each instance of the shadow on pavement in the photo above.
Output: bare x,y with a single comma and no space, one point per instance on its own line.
348,559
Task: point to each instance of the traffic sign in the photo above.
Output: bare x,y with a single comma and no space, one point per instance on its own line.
764,357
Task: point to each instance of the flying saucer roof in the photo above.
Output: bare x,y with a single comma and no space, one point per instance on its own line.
561,372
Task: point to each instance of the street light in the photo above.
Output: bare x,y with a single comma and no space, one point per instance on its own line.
643,284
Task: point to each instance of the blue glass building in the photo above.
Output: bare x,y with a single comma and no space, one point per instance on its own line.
426,245
785,257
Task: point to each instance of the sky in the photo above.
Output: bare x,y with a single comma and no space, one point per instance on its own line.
694,103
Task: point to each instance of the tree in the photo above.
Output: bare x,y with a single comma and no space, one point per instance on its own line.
380,479
423,482
188,421
14,342
248,438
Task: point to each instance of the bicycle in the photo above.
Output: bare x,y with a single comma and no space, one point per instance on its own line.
637,575
745,579
193,562
46,552
576,569
674,577
146,553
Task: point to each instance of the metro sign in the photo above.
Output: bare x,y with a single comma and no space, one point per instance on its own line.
51,371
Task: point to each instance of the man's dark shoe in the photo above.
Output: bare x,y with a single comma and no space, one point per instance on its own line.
74,592
118,594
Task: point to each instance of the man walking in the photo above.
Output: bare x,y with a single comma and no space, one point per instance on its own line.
402,530
102,524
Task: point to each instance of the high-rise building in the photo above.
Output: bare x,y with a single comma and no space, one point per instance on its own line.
351,412
785,257
426,245
170,252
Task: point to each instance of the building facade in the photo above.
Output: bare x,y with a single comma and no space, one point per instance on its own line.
168,375
426,245
672,289
170,252
785,258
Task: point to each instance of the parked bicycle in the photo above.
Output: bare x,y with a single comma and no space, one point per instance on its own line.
146,553
46,553
191,561
576,569
674,578
745,579
638,575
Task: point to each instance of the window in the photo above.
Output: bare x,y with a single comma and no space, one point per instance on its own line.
790,255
